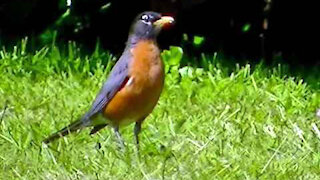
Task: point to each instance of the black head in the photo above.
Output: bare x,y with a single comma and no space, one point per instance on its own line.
147,25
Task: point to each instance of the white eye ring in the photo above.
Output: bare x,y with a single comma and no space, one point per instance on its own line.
144,17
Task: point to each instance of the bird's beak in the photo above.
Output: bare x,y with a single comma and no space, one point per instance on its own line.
164,22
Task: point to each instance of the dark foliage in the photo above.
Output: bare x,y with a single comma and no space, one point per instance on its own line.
291,33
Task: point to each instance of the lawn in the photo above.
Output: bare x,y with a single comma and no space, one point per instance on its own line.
210,123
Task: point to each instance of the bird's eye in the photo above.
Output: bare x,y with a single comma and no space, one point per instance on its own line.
145,17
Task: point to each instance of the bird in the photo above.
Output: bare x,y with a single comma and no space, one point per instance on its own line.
133,86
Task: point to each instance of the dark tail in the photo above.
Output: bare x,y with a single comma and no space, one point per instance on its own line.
65,131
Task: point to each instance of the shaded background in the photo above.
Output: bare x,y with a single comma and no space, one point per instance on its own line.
248,29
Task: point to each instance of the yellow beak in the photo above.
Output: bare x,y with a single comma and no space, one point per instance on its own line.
164,21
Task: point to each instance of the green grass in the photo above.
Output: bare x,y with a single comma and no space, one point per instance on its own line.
253,123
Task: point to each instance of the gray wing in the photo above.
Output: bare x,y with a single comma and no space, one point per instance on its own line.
117,77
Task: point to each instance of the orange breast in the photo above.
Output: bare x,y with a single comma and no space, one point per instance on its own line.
141,93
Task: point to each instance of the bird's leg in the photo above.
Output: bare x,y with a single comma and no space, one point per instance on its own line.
119,138
137,129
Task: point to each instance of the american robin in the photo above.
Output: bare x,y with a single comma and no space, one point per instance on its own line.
134,85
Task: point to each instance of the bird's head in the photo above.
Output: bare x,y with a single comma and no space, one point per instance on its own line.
147,25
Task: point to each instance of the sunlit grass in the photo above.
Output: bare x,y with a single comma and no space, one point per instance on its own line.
255,123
